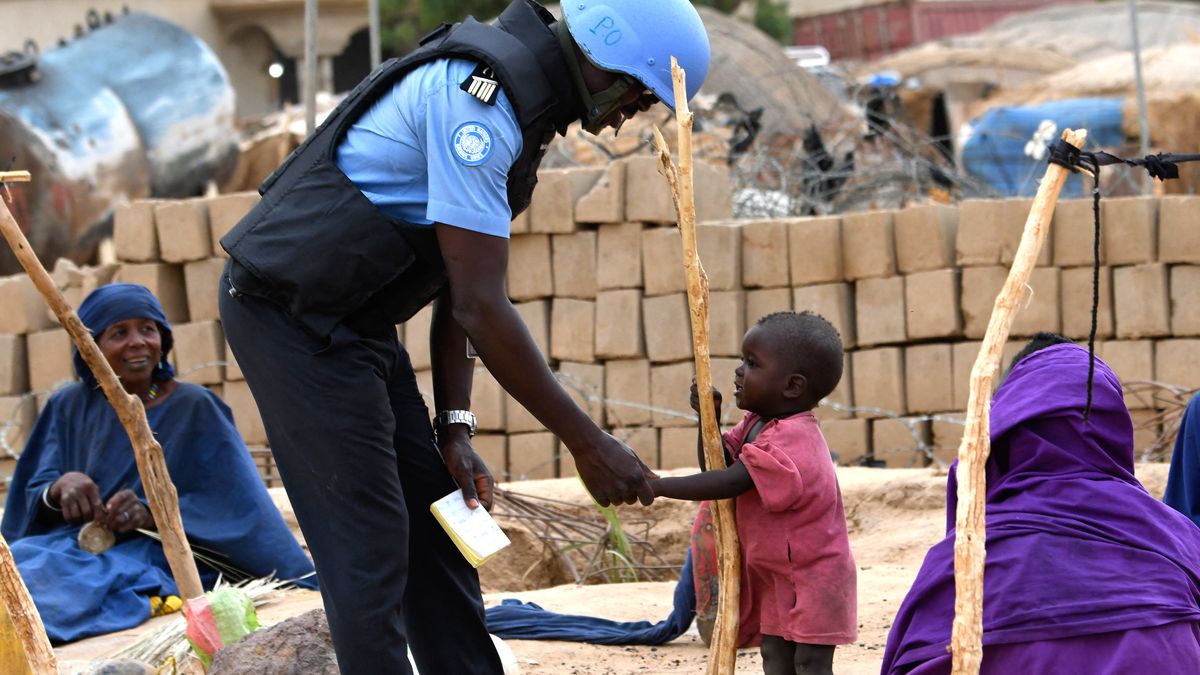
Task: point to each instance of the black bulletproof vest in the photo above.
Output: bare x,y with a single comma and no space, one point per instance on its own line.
318,247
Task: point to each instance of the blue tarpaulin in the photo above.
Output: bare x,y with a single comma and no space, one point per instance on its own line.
995,152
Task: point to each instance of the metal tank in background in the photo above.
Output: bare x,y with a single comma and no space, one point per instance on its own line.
134,106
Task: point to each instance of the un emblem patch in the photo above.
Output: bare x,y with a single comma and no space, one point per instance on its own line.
472,143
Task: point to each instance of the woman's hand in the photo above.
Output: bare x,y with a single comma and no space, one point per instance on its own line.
124,512
467,468
78,497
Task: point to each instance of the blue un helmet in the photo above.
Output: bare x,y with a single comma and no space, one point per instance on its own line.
639,37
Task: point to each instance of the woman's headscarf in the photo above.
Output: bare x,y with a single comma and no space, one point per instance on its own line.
117,302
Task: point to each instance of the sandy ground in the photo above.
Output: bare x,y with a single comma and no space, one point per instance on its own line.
894,516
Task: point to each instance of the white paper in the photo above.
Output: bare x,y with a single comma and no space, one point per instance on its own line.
475,527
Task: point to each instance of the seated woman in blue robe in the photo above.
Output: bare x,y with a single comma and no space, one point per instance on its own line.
78,466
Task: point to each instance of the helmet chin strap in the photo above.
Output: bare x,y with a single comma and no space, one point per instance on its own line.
598,106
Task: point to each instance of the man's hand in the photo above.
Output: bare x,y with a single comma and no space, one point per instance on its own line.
467,469
695,400
124,512
78,497
613,473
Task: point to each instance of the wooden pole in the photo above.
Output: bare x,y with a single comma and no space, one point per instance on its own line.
160,492
24,615
723,647
966,642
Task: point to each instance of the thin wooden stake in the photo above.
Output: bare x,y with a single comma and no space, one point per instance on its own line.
160,491
723,647
966,642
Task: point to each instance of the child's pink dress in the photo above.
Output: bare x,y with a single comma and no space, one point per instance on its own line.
798,575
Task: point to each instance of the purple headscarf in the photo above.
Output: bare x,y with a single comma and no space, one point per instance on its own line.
117,302
1075,545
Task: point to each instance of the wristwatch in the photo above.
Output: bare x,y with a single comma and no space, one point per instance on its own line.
448,417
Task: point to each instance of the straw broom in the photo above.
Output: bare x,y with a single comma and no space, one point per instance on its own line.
723,649
160,491
966,643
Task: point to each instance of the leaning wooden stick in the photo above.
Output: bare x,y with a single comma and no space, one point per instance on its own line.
966,642
24,615
160,491
723,649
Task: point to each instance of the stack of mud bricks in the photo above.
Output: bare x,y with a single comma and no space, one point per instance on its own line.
595,272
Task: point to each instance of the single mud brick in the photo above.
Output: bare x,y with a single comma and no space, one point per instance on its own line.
202,279
900,443
199,351
1018,213
849,441
493,450
1039,309
416,334
719,245
765,254
164,281
1130,227
552,209
643,440
839,404
183,230
517,419
835,302
532,456
1146,431
1076,303
627,388
925,237
1132,361
947,437
573,330
245,413
931,301
1185,300
536,316
487,399
604,202
868,245
1179,229
727,312
984,229
763,301
22,309
879,311
648,197
980,286
662,261
619,324
619,256
670,394
677,448
585,383
225,212
878,376
574,265
50,359
14,366
1074,233
530,274
232,370
134,235
22,411
815,250
1178,362
929,371
1142,302
722,379
668,328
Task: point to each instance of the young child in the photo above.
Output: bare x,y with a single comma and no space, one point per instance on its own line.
798,576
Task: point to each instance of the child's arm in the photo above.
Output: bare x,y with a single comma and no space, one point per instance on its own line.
722,484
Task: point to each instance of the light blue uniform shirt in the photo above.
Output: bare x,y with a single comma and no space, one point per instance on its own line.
428,152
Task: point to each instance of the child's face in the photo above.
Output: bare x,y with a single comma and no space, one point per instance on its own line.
759,384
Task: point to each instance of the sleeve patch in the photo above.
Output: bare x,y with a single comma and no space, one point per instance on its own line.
472,143
482,84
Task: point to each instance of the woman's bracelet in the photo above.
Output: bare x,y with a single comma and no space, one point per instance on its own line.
46,500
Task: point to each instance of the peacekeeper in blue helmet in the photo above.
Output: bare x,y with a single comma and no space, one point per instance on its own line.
401,198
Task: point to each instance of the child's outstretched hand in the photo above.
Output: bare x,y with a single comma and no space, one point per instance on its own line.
695,400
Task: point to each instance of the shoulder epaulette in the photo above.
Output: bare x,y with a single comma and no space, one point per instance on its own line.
482,84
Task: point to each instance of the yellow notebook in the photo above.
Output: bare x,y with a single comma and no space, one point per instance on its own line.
472,531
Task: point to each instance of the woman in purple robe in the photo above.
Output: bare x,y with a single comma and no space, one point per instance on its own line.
1086,572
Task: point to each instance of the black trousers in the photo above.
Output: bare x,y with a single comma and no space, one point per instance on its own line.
354,445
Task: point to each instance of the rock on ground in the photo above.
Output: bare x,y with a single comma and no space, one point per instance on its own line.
298,646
